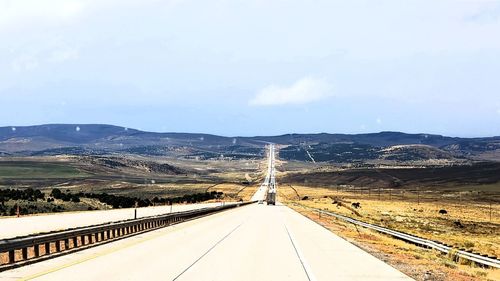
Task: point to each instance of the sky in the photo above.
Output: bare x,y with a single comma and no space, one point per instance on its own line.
255,67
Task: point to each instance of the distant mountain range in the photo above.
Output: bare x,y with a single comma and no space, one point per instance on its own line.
89,139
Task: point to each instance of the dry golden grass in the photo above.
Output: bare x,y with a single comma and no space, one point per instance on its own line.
416,262
234,191
410,216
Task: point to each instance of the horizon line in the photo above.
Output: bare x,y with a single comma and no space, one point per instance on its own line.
238,136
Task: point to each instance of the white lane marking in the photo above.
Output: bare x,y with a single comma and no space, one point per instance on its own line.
208,251
305,265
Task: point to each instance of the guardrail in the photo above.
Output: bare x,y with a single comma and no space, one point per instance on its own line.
478,258
20,251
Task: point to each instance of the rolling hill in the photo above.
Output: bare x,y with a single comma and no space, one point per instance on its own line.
98,139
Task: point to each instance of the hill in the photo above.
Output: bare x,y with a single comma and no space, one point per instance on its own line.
97,139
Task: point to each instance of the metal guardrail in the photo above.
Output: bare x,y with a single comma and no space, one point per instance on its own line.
25,250
422,242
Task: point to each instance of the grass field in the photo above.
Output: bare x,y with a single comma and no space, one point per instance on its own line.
237,179
467,224
29,170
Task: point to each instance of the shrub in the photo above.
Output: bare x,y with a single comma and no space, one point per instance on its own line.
56,193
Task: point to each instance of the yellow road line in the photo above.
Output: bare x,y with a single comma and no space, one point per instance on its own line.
103,253
170,229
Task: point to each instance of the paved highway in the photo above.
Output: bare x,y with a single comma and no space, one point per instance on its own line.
12,226
256,242
260,194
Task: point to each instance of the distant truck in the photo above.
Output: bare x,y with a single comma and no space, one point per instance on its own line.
271,197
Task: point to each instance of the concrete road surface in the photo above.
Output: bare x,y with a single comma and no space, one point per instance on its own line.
255,242
11,227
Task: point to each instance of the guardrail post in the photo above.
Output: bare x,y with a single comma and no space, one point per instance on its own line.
12,256
90,238
66,244
36,249
75,242
47,248
58,246
25,253
82,239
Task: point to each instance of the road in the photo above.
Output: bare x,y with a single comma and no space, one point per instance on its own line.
270,179
12,226
256,242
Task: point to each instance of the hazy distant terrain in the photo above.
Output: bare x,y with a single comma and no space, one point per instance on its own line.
46,140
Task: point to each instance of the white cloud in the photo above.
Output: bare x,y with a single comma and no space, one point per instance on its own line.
33,60
303,91
18,12
25,63
63,55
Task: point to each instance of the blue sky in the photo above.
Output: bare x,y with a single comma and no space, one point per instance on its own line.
259,67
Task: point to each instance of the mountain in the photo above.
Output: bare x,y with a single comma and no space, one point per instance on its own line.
94,139
90,139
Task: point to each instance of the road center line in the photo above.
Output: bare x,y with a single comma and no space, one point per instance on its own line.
208,251
305,266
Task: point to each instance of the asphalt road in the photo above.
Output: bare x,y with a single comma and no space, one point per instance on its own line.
256,242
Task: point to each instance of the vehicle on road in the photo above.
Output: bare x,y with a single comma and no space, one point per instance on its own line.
271,197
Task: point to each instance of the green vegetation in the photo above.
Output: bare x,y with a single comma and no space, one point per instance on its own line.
32,201
118,201
336,152
29,195
20,194
58,194
20,170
